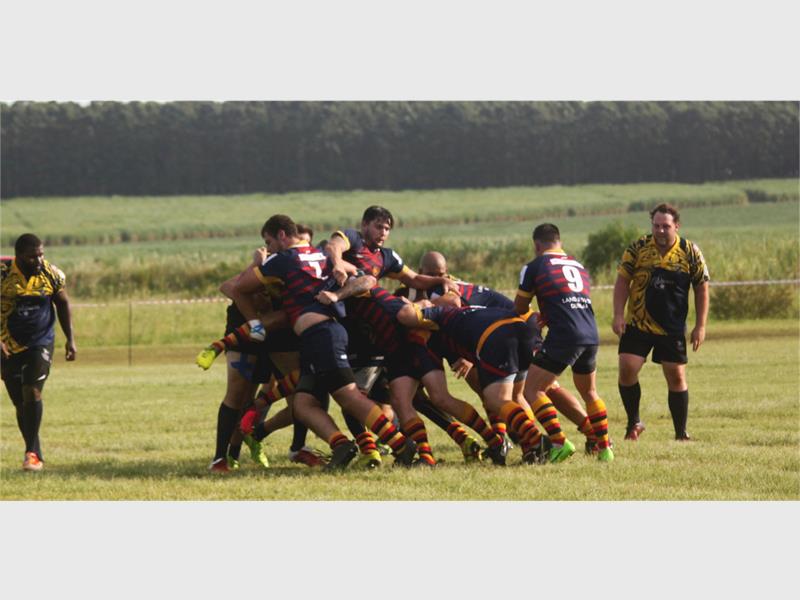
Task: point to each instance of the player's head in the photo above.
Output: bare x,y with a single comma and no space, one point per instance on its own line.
304,232
376,224
433,263
666,221
29,254
545,237
279,232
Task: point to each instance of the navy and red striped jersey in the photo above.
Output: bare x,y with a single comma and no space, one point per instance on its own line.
475,295
462,330
562,288
378,262
301,272
377,314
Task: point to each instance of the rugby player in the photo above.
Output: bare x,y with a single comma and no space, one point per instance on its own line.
301,271
561,286
33,293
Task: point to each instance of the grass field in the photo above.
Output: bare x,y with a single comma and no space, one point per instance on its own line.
147,433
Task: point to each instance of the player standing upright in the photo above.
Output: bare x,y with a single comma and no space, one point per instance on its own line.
31,288
561,286
654,277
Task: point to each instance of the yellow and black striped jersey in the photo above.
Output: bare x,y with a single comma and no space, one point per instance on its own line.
27,317
658,300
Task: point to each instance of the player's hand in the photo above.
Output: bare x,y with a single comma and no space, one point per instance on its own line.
257,331
4,350
618,325
461,367
698,337
260,255
327,298
339,272
71,350
450,285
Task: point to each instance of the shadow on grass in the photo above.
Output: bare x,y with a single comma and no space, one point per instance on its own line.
158,470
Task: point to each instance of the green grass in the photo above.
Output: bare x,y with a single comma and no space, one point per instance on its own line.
147,433
735,240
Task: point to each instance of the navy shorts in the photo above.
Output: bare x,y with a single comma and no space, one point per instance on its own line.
506,352
666,348
555,357
323,348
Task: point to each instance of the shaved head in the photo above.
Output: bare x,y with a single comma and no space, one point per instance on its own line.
433,263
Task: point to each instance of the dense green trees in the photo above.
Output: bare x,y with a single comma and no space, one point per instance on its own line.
149,148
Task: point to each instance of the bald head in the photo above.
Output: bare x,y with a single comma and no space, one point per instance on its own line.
433,264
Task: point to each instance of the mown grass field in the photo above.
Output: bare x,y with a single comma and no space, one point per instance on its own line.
147,433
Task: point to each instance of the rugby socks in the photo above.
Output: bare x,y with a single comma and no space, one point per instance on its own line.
31,420
386,432
586,429
279,388
679,409
415,429
516,419
456,432
498,425
298,436
470,417
366,442
337,439
548,417
232,340
227,421
631,394
599,419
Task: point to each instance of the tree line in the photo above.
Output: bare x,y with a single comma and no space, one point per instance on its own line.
149,148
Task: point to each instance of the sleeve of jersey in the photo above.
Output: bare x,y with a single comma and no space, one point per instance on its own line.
700,271
627,263
351,239
272,271
59,278
394,265
526,277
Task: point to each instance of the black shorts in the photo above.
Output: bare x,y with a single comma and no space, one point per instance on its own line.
666,348
555,358
506,352
29,367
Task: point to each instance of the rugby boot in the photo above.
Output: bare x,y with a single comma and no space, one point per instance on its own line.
634,431
233,463
497,454
206,358
471,449
683,437
540,453
256,451
605,455
307,456
560,453
405,458
341,456
219,465
371,459
32,462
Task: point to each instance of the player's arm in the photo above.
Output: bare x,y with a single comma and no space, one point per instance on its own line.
353,287
701,310
449,298
337,246
525,292
621,293
415,280
64,312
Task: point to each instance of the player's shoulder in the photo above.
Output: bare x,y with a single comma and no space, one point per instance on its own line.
53,272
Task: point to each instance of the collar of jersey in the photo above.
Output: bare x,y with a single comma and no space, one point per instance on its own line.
670,251
560,251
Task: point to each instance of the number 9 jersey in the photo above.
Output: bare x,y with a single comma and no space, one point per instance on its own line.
561,286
